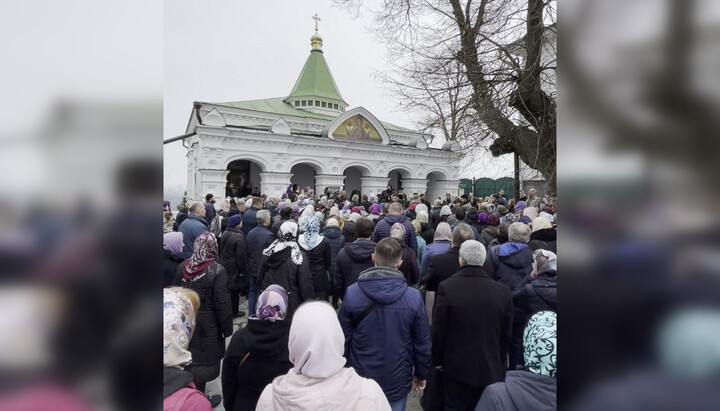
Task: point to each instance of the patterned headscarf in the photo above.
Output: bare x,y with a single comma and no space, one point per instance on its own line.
312,236
272,304
540,343
173,242
509,218
397,231
443,232
178,325
287,237
205,253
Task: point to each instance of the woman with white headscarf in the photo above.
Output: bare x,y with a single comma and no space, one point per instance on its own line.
535,388
318,251
318,380
179,311
286,265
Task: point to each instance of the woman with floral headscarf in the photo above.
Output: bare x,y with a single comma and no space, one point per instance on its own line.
172,251
202,274
409,266
180,308
318,251
257,353
535,388
286,265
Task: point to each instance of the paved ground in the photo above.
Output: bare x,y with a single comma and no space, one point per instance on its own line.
215,388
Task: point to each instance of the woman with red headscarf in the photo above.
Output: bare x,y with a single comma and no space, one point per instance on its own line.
204,275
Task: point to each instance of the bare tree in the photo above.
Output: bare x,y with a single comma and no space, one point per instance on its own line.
457,62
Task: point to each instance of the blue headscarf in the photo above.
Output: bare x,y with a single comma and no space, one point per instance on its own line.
540,343
312,236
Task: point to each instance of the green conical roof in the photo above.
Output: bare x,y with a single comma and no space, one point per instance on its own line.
315,80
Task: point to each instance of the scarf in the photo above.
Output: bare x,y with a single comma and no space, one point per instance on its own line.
334,211
422,217
493,220
443,232
445,210
178,325
483,218
540,343
272,304
544,260
287,237
224,205
540,224
173,242
316,343
397,231
531,212
375,209
312,236
308,211
205,253
354,217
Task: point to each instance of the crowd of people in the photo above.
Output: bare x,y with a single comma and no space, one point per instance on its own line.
356,300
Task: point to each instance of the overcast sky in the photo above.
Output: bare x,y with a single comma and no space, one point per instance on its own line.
227,50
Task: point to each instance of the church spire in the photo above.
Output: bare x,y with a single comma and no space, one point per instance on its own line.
316,40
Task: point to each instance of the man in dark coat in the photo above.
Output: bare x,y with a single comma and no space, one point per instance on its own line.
460,213
442,266
209,208
233,256
511,262
387,336
258,240
337,242
355,257
472,321
192,227
435,213
249,218
382,229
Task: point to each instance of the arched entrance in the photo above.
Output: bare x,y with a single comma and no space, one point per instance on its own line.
303,174
354,179
396,177
245,177
435,186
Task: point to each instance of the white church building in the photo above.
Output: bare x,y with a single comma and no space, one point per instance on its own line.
311,137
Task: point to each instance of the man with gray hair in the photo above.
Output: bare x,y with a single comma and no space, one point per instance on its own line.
511,262
192,227
471,330
258,239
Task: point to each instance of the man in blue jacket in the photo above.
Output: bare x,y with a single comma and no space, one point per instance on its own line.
387,336
192,227
382,229
249,218
511,262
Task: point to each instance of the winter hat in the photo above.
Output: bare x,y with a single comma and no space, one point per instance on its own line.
355,209
493,220
540,224
502,210
483,217
375,209
235,220
525,219
520,206
540,344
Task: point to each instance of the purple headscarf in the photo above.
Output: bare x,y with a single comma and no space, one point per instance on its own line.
272,304
520,206
375,209
493,220
483,217
173,242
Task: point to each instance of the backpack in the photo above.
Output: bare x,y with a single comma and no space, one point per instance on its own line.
216,225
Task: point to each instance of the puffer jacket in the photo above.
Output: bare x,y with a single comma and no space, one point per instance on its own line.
545,239
521,390
337,242
382,230
509,263
191,228
394,338
353,259
533,295
214,318
319,258
488,235
258,240
233,256
295,279
344,390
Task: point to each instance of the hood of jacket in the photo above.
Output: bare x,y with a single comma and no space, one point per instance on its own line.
360,250
516,255
395,218
268,339
382,284
530,391
174,379
546,234
340,391
332,232
279,258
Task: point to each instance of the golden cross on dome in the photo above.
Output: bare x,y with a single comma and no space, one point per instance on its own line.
316,18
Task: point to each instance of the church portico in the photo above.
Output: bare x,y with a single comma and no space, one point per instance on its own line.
310,138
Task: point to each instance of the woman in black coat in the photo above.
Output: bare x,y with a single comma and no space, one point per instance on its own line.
172,248
202,274
337,242
233,256
284,264
409,266
318,250
536,293
257,353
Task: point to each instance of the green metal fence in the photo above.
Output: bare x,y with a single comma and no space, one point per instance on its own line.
486,186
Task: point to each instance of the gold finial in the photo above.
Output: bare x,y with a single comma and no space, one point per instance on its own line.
316,18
